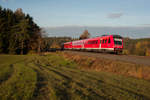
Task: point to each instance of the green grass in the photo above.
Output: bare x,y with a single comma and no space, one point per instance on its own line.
51,77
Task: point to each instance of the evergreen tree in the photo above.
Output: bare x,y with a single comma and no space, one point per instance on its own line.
20,36
18,32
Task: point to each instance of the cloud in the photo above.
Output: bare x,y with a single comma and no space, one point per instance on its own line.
115,15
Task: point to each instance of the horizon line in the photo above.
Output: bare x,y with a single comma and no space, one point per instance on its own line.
84,26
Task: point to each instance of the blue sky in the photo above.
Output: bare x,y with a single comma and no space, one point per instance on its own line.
54,13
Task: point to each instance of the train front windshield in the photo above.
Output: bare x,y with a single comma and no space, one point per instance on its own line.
117,41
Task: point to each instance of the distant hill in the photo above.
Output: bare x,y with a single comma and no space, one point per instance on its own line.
75,31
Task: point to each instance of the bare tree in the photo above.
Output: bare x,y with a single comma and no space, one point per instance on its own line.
85,35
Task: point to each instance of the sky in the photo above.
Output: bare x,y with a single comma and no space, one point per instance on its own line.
112,13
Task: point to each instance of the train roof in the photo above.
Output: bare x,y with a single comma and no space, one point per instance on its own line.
115,36
67,42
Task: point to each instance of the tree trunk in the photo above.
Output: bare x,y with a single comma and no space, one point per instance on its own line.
22,45
39,45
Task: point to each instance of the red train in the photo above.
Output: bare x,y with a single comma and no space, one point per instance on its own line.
105,43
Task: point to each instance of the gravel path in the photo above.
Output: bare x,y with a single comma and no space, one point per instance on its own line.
142,60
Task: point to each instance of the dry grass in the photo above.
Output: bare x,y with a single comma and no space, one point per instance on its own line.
117,67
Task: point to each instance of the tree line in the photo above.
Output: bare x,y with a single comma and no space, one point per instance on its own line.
18,32
139,47
53,43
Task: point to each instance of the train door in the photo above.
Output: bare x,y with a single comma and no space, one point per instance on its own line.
100,43
83,44
104,43
109,42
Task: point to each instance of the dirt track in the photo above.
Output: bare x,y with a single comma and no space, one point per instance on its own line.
126,58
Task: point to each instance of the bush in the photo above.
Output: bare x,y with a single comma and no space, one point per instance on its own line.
142,48
126,52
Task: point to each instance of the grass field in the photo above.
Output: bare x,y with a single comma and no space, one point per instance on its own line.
51,77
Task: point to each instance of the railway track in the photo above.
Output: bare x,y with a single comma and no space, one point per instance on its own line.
141,60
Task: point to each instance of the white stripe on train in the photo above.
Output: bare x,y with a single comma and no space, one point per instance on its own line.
112,49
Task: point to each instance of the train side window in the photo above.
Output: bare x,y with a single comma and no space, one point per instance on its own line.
109,40
103,41
106,41
96,41
92,42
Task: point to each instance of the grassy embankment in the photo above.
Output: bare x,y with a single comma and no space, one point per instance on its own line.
55,78
107,65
